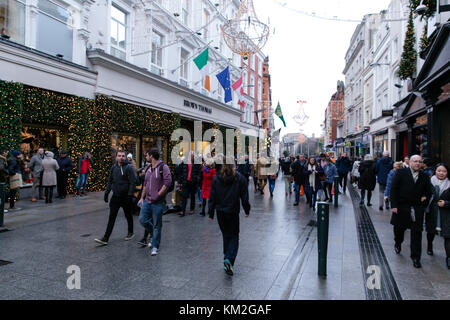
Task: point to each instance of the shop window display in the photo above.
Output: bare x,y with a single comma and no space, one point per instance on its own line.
154,142
127,143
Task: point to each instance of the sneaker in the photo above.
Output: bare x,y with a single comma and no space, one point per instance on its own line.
228,267
129,236
5,211
143,242
150,244
102,241
154,251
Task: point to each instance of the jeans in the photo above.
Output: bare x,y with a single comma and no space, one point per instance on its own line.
189,190
312,196
381,189
343,178
328,187
36,184
363,195
151,219
229,226
114,206
287,183
84,179
271,184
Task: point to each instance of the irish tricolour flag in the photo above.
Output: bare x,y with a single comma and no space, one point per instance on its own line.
202,63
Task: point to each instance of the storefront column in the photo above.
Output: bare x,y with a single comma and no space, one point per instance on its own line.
410,139
398,146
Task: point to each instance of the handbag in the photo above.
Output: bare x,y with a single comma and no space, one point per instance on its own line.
15,181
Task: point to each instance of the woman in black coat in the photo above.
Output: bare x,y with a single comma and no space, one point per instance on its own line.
312,173
439,210
368,179
228,190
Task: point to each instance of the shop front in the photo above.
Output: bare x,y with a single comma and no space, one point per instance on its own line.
380,143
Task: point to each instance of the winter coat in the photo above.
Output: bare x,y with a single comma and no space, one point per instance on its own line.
297,171
387,191
286,167
14,166
245,168
36,164
307,173
49,165
65,164
405,194
330,172
3,169
182,171
227,194
367,179
208,176
343,165
445,214
434,211
89,165
384,165
122,181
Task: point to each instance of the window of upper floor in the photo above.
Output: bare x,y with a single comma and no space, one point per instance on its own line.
184,69
186,12
206,20
118,32
157,52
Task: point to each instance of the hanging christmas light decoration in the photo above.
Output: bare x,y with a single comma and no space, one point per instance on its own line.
245,34
301,117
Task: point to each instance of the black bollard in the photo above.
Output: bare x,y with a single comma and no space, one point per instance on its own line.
323,213
336,192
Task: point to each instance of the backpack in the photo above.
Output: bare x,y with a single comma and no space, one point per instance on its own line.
161,171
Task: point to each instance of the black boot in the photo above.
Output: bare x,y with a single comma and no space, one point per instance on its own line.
430,249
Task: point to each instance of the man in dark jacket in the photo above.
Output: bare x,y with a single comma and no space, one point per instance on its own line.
343,166
228,190
285,165
189,176
122,182
65,165
297,170
245,168
384,165
410,191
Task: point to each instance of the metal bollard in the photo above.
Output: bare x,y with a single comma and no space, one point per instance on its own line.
323,213
2,203
336,192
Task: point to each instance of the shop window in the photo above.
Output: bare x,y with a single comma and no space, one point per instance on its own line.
49,138
12,20
154,142
54,29
125,142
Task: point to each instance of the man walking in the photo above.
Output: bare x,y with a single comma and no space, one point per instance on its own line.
410,191
245,168
158,180
287,176
189,176
297,170
384,165
122,182
36,170
343,166
65,165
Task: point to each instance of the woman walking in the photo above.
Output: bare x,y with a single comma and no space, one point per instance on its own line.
437,218
209,173
49,165
15,169
228,190
368,179
312,173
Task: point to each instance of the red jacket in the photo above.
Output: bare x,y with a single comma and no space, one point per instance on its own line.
207,181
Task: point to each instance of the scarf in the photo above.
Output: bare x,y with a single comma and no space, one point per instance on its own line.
442,184
312,176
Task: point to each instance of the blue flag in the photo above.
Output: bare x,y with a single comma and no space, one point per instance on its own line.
224,80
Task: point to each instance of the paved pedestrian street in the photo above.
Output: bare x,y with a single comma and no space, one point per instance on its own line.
277,259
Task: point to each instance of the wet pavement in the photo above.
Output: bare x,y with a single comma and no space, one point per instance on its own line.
277,256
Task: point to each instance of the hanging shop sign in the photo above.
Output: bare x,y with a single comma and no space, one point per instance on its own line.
196,106
387,113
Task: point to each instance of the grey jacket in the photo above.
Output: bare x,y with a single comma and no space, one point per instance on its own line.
36,165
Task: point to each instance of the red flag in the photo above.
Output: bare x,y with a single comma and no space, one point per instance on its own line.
237,84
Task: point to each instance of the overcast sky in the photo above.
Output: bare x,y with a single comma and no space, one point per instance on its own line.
307,54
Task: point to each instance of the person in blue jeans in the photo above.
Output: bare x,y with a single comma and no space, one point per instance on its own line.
153,200
312,172
85,164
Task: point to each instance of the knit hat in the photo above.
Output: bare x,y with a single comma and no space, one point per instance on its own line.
130,156
16,153
63,152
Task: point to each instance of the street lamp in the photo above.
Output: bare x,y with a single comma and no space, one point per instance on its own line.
421,9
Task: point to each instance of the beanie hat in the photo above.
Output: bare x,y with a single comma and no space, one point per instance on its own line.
130,156
16,153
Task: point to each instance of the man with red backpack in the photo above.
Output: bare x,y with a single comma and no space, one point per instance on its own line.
158,182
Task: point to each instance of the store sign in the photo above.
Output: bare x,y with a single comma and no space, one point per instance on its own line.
196,106
387,113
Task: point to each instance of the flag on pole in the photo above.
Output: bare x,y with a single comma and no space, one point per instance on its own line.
224,80
201,61
279,113
236,86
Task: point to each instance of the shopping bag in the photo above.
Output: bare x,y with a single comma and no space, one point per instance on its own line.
332,189
15,181
302,191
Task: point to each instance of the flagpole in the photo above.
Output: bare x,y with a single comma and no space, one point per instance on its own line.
203,48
